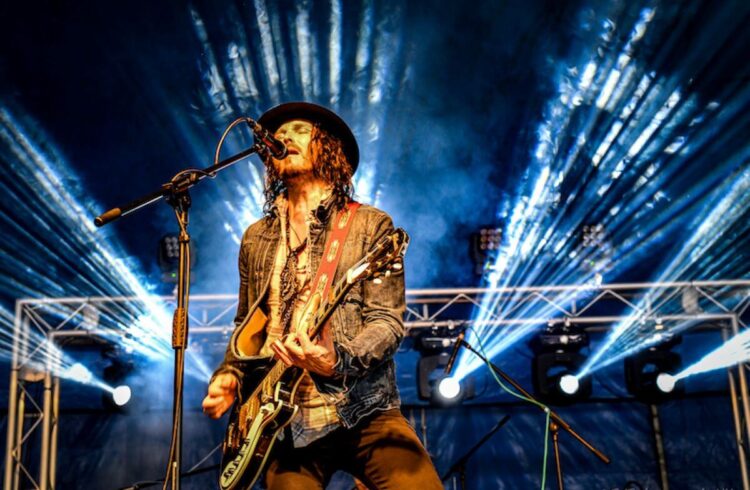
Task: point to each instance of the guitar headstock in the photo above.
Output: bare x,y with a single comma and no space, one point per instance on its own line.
384,258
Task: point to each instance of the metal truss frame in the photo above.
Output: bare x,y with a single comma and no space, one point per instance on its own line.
41,323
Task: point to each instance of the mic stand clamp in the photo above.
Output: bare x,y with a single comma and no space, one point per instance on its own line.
556,422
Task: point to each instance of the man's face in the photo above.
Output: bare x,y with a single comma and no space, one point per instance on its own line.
296,135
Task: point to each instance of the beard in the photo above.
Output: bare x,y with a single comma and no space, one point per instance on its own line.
291,168
296,172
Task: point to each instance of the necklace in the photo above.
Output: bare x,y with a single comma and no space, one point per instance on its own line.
296,235
290,285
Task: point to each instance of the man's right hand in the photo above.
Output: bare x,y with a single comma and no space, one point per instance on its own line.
221,394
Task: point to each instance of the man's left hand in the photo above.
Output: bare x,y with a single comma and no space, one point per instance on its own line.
298,350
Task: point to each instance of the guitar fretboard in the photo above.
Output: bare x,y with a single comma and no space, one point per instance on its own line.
321,317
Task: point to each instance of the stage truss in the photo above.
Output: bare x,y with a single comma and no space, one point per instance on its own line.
40,322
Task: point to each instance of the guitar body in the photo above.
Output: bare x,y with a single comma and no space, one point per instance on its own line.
253,428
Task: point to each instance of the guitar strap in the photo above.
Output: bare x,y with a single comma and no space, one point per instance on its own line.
248,339
342,223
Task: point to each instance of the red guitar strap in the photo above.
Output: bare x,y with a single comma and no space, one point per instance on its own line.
341,224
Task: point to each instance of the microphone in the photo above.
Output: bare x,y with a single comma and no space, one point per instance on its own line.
454,353
274,146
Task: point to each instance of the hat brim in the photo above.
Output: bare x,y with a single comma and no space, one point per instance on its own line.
328,120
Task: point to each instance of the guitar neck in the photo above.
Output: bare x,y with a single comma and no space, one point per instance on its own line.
321,317
326,310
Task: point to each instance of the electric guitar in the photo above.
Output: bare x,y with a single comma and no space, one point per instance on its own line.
256,422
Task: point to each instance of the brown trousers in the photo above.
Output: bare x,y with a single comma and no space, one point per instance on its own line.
383,452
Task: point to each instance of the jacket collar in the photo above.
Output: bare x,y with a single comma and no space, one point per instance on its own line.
318,216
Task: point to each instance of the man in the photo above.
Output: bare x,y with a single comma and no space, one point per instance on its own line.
349,417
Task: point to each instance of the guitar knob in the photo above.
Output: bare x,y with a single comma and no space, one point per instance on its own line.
377,280
388,273
397,266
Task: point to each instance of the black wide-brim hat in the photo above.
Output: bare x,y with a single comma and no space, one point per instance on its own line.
328,120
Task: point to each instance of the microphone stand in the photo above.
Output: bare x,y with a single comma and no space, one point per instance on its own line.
556,422
460,464
176,194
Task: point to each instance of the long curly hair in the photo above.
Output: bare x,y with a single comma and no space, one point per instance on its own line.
329,164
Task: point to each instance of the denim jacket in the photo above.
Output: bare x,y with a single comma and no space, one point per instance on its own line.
367,327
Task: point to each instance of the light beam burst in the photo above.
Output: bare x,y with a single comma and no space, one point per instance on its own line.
663,165
727,207
732,352
302,59
67,256
42,355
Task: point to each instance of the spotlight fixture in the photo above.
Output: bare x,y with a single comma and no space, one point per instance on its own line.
437,387
433,384
565,337
596,250
666,382
593,235
115,375
449,388
169,256
556,361
569,384
484,245
489,239
121,395
649,374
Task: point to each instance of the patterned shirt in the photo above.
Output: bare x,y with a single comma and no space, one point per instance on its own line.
316,416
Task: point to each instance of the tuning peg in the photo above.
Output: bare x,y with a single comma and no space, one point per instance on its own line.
377,280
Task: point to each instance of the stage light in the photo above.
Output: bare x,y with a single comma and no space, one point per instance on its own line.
121,395
690,301
169,256
559,337
554,378
115,375
569,384
556,361
666,382
90,317
489,239
433,383
484,247
449,388
594,235
650,374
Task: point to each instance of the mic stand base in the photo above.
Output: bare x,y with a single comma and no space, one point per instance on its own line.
556,422
460,465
